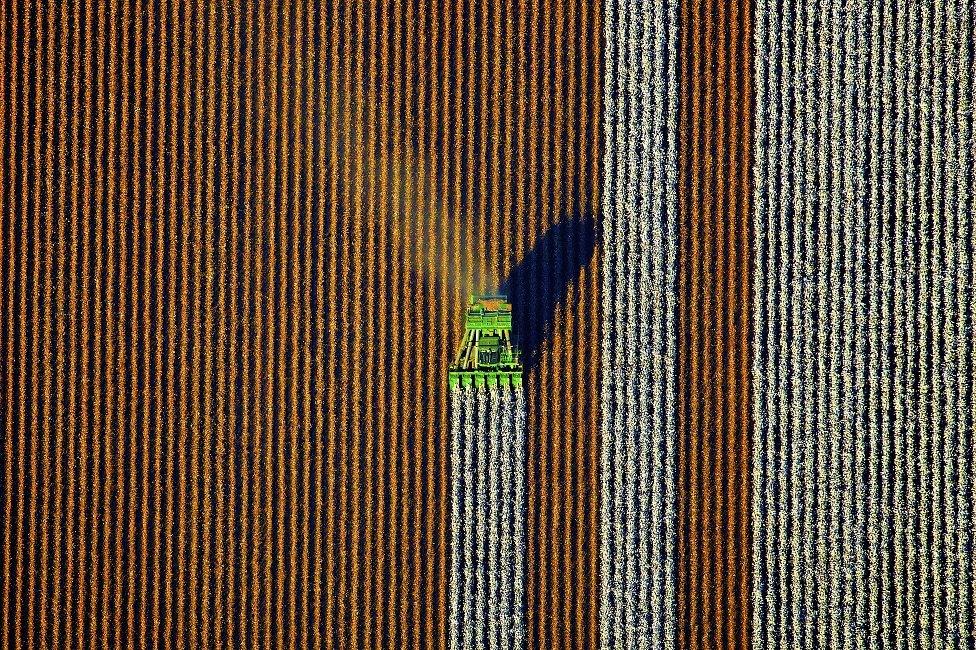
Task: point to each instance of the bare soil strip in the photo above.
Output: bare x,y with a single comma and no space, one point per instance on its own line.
714,325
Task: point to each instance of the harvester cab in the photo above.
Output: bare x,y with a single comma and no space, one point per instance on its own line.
488,355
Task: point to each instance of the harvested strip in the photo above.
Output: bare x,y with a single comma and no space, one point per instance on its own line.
714,324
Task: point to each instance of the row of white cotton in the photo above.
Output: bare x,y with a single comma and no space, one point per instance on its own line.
487,582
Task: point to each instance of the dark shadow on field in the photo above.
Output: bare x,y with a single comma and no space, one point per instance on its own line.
540,282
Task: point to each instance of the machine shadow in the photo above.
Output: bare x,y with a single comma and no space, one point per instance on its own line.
540,282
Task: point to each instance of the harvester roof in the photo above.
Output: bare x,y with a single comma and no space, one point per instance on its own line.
490,302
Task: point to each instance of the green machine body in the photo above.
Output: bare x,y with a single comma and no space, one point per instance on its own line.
488,355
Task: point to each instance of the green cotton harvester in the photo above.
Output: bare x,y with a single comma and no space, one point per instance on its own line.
488,355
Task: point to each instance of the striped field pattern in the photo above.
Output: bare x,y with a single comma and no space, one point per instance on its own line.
487,519
714,324
236,243
640,240
864,350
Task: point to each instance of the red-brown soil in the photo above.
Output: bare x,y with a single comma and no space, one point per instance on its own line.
714,362
237,240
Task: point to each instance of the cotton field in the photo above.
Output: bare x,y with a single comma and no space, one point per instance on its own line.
487,597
